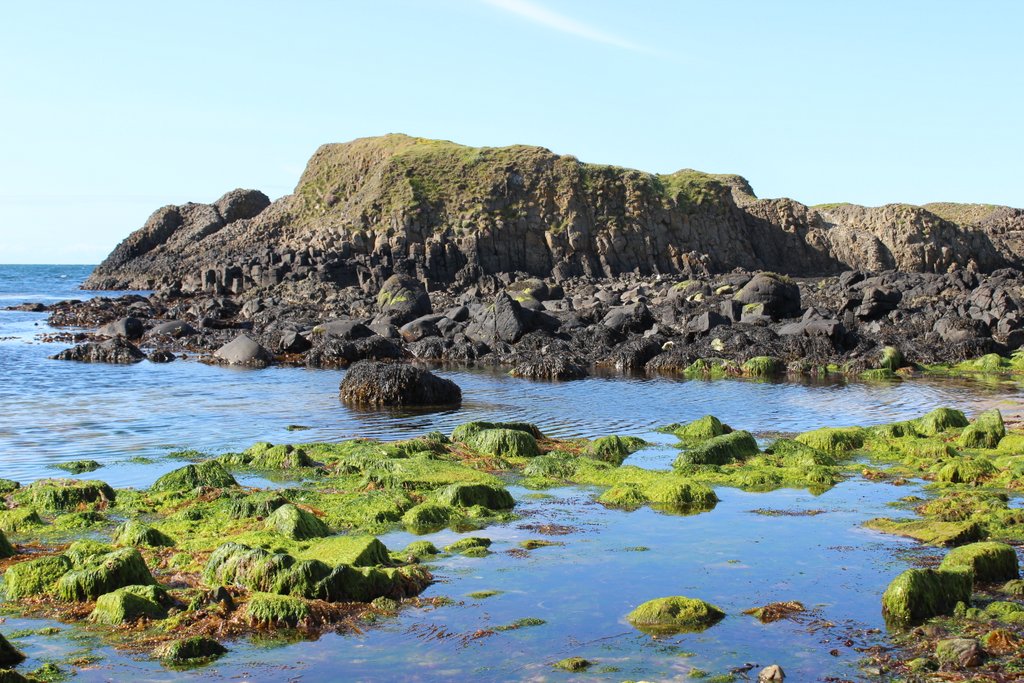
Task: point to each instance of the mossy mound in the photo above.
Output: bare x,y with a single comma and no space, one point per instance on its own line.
701,429
613,449
194,650
8,485
208,474
83,519
471,545
80,552
35,577
58,495
296,523
428,517
1014,587
792,453
572,664
891,359
465,432
990,561
507,443
676,614
468,495
9,655
419,550
19,519
763,366
267,609
966,470
940,420
720,450
554,465
255,505
930,531
135,533
985,432
267,456
104,574
124,605
79,466
834,440
917,595
6,549
358,551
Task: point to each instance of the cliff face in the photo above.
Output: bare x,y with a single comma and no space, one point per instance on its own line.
450,214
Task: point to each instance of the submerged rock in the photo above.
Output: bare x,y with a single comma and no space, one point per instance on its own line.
676,614
394,384
192,650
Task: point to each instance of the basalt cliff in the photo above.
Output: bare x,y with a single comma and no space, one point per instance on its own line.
448,215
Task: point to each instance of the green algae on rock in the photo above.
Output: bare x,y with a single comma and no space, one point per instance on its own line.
471,545
123,605
428,517
190,651
104,573
35,577
720,450
700,429
989,561
79,466
208,473
985,432
135,533
511,443
358,551
468,495
675,614
834,440
917,595
928,531
573,664
466,431
57,495
296,523
267,456
277,610
6,549
613,449
19,519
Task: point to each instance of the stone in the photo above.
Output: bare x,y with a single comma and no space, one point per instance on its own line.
129,328
917,595
242,350
403,299
117,350
961,652
676,614
394,384
176,329
772,672
989,561
780,296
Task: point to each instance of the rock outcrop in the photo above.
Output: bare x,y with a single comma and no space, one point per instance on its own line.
447,215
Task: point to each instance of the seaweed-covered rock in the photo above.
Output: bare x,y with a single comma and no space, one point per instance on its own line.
117,350
510,443
985,432
468,495
9,655
720,450
961,652
466,431
613,449
6,549
79,466
572,664
236,564
57,495
930,531
81,551
267,609
428,517
135,533
701,429
966,470
358,551
917,595
260,504
192,650
104,574
296,523
989,561
122,605
19,519
395,384
834,440
267,456
676,614
35,577
940,420
472,546
209,473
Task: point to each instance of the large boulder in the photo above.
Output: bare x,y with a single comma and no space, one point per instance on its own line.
676,614
917,595
394,384
242,350
129,328
117,350
989,561
779,295
403,299
240,204
503,321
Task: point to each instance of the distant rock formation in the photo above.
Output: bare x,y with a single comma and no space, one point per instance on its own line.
446,215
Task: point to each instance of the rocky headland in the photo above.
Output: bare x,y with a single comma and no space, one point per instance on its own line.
400,247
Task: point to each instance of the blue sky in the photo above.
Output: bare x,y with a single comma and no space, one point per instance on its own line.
109,110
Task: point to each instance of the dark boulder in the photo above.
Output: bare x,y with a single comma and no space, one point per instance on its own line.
332,352
239,204
780,296
424,326
129,328
117,350
242,350
403,299
176,329
395,384
631,318
503,321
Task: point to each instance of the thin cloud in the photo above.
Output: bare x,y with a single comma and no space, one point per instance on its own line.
559,22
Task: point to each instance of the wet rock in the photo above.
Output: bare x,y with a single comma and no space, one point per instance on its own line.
29,308
675,614
192,650
720,450
242,350
917,595
176,329
779,296
292,341
394,384
117,350
632,318
129,328
328,352
771,673
9,655
402,299
961,652
989,561
549,367
161,356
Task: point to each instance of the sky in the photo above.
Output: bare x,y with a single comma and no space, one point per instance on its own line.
109,110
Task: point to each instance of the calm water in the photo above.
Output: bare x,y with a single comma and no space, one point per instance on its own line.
55,411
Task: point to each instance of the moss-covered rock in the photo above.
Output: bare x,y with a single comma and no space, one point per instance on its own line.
254,505
834,440
792,453
1014,587
572,664
35,577
701,429
253,568
763,366
296,523
959,652
428,517
123,605
920,594
613,449
720,450
9,655
940,420
359,551
468,495
210,474
930,531
194,650
966,470
267,609
57,495
418,550
989,561
19,520
81,551
82,519
676,614
507,443
471,545
267,456
465,432
78,466
8,486
985,432
135,533
6,549
104,574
